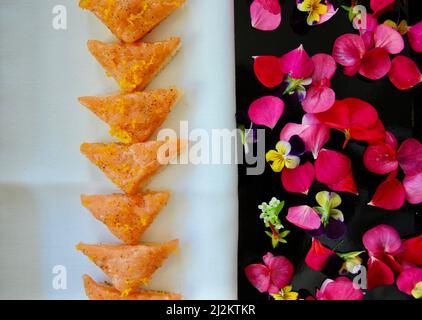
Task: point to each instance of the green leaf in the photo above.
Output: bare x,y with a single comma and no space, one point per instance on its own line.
268,233
350,255
346,8
284,233
274,243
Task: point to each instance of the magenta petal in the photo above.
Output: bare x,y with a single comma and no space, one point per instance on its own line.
266,111
297,63
391,140
382,239
331,167
304,217
390,195
349,50
315,137
404,73
267,70
368,39
412,251
375,64
371,24
265,14
281,271
325,67
410,156
292,129
380,5
352,70
318,99
415,36
413,188
389,39
259,276
408,279
340,289
347,184
298,180
380,158
318,255
379,274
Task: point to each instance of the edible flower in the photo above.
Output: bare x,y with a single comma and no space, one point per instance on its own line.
410,282
404,73
414,34
340,289
266,111
265,14
314,8
286,154
270,214
276,273
286,294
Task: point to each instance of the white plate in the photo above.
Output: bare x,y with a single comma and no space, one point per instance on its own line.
42,72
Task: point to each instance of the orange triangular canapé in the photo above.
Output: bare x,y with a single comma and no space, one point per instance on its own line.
134,117
98,291
134,65
127,216
131,166
128,267
130,20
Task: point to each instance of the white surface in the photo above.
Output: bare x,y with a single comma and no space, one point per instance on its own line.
42,72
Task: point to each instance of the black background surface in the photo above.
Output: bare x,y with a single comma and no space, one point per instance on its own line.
400,112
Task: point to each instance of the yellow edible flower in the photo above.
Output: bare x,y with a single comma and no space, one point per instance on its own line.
280,157
286,294
315,10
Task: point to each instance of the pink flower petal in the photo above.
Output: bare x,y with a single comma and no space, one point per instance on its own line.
281,271
410,156
304,217
315,136
382,239
412,251
318,99
375,64
349,50
347,184
331,167
265,14
298,180
391,140
368,39
408,279
267,70
415,36
371,24
412,186
340,289
297,63
389,39
381,5
259,276
404,73
379,274
266,111
327,16
325,67
380,158
390,195
317,256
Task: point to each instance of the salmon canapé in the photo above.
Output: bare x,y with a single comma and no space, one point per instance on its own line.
134,65
98,291
128,267
130,20
131,166
127,216
134,117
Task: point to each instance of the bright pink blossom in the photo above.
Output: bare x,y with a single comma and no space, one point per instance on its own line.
415,36
298,180
412,251
265,14
318,255
379,274
315,136
390,194
408,281
297,64
273,275
266,111
304,217
380,6
340,289
404,73
366,55
335,170
320,97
